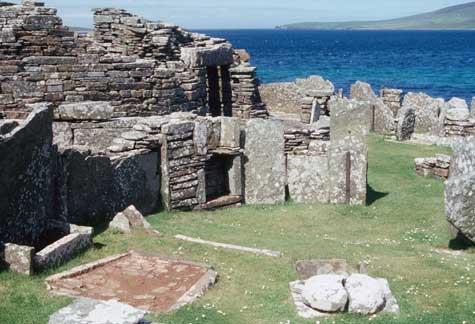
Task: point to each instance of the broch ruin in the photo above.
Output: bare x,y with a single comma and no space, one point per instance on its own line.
140,115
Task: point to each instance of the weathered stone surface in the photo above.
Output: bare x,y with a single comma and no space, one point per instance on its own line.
62,135
460,205
121,223
315,86
311,268
366,295
391,306
89,311
382,119
406,123
26,188
135,218
62,250
307,178
264,166
463,158
230,132
472,109
87,110
218,55
94,188
427,111
348,152
281,97
457,109
19,258
325,293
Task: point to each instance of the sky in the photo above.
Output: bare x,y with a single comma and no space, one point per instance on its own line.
224,14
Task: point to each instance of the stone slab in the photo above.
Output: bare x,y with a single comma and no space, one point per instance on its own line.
307,178
19,258
264,166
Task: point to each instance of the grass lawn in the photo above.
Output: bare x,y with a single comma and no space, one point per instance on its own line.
395,234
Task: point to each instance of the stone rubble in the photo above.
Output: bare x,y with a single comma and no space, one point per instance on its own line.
437,166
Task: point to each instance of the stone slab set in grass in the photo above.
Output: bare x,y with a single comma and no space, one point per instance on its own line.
145,281
437,166
340,291
90,311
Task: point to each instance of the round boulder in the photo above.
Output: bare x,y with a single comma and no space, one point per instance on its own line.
325,293
366,294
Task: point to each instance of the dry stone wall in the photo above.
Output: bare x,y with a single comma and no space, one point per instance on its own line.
392,98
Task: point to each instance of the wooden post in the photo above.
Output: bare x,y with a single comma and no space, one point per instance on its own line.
348,177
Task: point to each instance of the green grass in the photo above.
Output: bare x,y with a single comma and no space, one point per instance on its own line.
394,235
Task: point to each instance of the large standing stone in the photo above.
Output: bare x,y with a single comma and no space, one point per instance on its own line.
307,178
427,110
26,179
89,311
366,295
265,170
406,123
348,153
472,109
325,293
463,158
460,204
457,110
382,119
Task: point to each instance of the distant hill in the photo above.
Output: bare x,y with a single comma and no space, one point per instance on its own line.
460,17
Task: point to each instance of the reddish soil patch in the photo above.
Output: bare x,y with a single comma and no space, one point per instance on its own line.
145,282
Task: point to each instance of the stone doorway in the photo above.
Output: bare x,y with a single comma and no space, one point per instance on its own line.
219,93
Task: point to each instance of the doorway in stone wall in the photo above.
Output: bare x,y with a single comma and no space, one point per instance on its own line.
219,93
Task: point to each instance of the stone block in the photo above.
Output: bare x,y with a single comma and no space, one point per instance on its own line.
315,86
264,167
457,110
460,205
230,132
87,110
307,178
19,258
463,158
62,250
427,111
217,55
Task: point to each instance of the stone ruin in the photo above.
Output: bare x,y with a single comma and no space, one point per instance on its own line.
145,114
437,166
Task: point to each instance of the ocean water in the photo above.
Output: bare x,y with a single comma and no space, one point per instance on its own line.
439,63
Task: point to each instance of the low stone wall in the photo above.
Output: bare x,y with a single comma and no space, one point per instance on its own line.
437,166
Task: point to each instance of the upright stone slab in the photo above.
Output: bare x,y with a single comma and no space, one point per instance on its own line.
19,258
457,110
382,117
472,109
307,178
427,111
348,152
264,162
460,189
26,178
406,123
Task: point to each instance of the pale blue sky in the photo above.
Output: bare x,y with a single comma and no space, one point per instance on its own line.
196,14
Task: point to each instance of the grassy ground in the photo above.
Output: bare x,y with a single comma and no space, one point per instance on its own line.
394,234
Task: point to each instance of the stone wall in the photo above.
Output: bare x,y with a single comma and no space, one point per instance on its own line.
392,98
26,178
142,68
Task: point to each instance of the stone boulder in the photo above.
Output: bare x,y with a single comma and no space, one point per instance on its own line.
427,111
366,295
89,311
406,123
457,110
129,219
325,293
383,116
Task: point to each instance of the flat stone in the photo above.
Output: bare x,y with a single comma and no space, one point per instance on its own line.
89,311
87,110
134,135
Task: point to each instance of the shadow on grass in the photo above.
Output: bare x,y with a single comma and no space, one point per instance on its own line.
461,244
372,195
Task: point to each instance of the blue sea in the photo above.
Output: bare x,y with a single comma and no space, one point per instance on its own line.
440,63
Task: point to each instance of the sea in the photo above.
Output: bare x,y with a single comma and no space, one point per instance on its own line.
439,63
